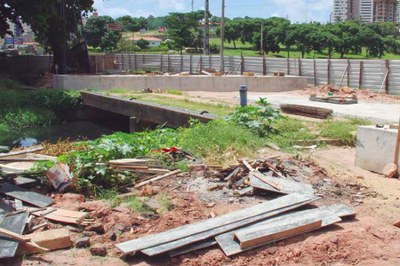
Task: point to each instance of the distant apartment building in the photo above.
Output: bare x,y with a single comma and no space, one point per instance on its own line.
366,10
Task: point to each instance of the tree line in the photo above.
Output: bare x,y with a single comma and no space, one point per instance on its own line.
342,37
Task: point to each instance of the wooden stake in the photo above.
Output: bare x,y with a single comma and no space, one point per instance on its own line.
396,155
157,178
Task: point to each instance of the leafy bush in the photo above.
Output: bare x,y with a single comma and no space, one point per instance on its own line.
143,44
26,118
260,118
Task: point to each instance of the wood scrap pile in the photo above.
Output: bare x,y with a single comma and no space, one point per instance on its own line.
242,230
263,174
21,210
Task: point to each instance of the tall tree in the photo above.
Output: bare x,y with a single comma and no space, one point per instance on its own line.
98,34
54,22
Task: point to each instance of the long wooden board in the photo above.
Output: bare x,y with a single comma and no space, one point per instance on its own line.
30,197
286,186
156,250
15,223
267,234
210,224
193,247
329,216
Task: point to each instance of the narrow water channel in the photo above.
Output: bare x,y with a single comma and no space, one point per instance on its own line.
77,130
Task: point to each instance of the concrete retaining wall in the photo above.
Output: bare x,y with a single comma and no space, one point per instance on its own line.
184,83
375,148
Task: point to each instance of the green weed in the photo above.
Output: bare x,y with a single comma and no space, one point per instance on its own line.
342,130
135,205
165,203
110,196
175,92
289,132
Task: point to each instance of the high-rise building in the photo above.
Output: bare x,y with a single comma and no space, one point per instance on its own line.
366,10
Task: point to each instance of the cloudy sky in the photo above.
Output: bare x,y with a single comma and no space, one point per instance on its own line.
295,10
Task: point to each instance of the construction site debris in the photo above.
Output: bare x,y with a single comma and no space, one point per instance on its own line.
304,110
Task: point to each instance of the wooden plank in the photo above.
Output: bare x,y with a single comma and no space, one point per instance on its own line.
264,179
16,224
219,230
30,197
14,236
268,234
329,216
193,247
62,216
287,186
207,225
157,178
51,240
33,149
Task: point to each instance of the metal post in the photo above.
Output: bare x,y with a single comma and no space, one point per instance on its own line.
315,73
190,62
161,63
201,64
300,72
169,64
262,38
361,75
329,70
222,35
348,72
243,95
288,66
264,66
206,28
242,68
387,76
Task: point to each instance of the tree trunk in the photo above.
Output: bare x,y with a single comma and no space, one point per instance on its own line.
234,44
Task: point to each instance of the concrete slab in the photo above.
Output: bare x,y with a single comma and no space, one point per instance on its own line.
184,83
375,148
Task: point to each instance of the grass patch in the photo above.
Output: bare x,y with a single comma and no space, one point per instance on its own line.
110,196
289,132
135,205
219,141
21,109
175,92
165,203
342,130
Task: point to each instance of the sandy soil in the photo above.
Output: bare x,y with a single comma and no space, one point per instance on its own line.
371,239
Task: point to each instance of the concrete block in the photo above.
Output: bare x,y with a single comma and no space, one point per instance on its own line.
375,148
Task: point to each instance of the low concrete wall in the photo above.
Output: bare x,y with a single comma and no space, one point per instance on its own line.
184,83
375,148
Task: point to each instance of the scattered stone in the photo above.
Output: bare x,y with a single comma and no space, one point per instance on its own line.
93,205
89,233
272,250
83,242
211,205
397,224
121,209
149,191
390,170
334,239
214,187
74,229
152,204
98,250
113,237
96,227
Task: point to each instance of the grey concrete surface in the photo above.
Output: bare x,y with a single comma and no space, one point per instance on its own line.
184,83
378,112
375,148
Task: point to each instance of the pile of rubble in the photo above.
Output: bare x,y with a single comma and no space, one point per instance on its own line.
31,221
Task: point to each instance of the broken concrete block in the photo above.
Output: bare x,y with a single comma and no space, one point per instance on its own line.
96,227
83,242
390,170
98,250
152,204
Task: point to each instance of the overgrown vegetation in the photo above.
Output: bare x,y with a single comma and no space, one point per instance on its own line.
342,130
21,109
259,118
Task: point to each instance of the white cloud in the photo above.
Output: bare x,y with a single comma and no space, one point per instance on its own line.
302,10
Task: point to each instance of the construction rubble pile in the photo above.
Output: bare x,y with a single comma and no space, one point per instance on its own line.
31,222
